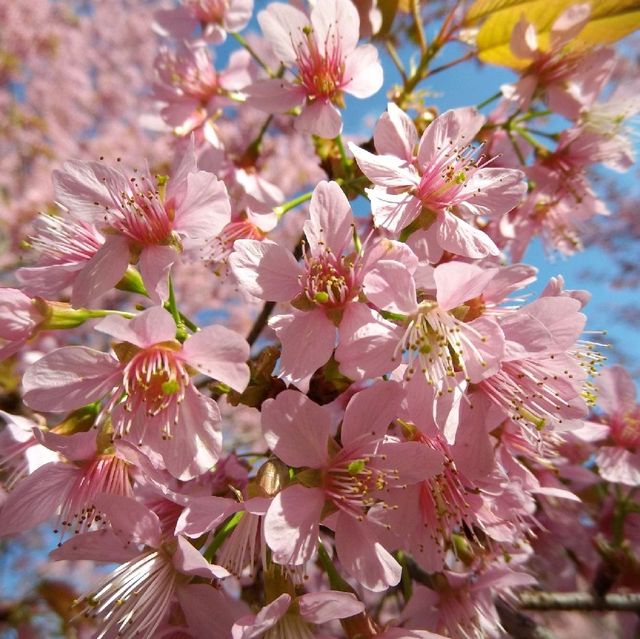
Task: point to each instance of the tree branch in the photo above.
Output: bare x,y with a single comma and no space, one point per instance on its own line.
533,600
519,625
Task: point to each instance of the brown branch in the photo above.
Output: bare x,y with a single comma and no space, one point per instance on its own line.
260,322
533,600
520,626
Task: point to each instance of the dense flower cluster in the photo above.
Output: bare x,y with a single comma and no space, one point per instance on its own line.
349,420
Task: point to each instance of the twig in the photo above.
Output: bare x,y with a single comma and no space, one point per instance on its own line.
532,600
260,322
519,625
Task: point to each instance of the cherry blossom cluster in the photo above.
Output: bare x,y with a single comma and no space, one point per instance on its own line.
297,386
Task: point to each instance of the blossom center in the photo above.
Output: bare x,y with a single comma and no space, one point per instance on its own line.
321,74
142,215
328,280
438,344
155,379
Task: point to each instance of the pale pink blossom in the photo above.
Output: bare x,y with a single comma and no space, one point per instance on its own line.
150,396
19,320
325,289
329,63
190,89
620,461
436,179
69,487
343,480
214,18
148,221
568,79
135,598
63,247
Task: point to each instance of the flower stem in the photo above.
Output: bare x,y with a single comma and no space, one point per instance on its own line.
241,40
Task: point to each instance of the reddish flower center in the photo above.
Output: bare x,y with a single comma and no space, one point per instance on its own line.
625,428
329,280
155,379
208,10
143,216
321,74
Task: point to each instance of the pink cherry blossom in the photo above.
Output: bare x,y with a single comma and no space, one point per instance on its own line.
569,80
349,479
436,179
214,17
329,63
189,87
149,220
63,247
619,462
150,396
135,597
325,290
19,320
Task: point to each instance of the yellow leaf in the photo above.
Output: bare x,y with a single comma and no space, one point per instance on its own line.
610,20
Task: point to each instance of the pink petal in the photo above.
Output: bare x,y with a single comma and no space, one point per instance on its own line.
616,390
367,343
177,23
238,73
130,519
524,41
146,329
254,626
393,212
395,134
189,561
219,353
568,24
282,26
460,238
547,325
320,118
321,607
237,14
82,184
68,378
296,429
617,465
332,20
363,75
458,282
265,270
74,447
456,127
204,514
307,342
385,170
390,286
370,412
37,497
330,224
102,272
199,602
275,95
414,461
363,556
155,264
205,209
491,191
198,442
100,545
291,524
